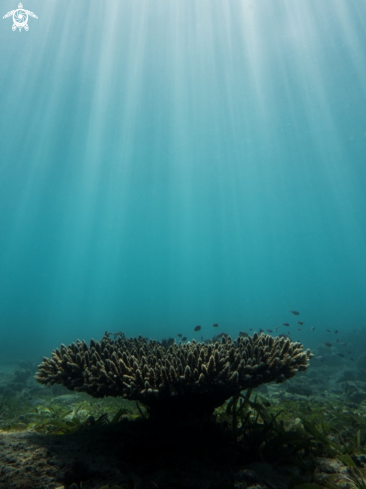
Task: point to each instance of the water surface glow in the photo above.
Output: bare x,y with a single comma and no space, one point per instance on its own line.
167,164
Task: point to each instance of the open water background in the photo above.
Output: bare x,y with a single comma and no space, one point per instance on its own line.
166,164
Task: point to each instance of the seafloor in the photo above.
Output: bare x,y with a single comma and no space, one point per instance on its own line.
307,433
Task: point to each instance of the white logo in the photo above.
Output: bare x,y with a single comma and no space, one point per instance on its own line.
20,17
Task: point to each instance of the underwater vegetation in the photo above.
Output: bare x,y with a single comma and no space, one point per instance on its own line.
302,444
186,379
301,434
268,438
59,415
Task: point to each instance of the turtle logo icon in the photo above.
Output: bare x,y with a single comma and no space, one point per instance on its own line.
20,18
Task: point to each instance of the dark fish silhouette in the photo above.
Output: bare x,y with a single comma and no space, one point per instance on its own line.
179,335
276,328
270,330
250,329
184,338
285,324
197,328
329,345
340,355
312,328
215,325
336,331
300,322
295,312
298,329
243,334
328,330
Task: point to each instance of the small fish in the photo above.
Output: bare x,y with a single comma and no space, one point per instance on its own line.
340,355
300,322
298,329
286,324
215,325
243,334
295,312
327,344
351,359
312,328
289,332
329,331
336,331
276,328
184,338
270,330
320,358
250,329
197,328
179,335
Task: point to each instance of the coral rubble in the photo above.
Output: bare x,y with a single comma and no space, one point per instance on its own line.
180,380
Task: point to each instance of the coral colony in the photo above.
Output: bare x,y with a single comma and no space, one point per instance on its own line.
185,379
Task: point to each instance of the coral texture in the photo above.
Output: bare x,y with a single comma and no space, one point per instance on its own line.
184,378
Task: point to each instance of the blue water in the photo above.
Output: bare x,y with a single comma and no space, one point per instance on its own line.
171,164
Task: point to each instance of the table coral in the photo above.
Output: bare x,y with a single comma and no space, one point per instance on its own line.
180,380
